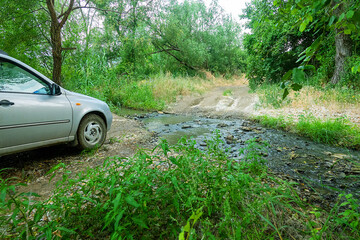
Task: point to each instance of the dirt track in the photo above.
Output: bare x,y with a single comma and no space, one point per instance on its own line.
221,101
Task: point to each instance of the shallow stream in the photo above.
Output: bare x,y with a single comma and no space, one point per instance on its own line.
326,169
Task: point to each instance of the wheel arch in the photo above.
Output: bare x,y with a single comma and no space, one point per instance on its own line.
98,113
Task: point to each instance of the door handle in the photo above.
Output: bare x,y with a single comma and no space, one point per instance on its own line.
6,103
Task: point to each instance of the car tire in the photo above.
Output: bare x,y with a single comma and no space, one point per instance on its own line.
91,132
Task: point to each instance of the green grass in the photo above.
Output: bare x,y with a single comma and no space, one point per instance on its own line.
271,95
337,131
227,92
148,94
175,192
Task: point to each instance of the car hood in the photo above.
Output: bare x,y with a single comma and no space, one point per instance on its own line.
78,96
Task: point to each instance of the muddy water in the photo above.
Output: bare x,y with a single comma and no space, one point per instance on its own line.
325,168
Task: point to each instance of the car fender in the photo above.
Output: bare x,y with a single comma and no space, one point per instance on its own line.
83,105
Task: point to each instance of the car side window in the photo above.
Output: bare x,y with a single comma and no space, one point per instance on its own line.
16,79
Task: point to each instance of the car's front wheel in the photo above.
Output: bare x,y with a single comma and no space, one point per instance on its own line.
91,132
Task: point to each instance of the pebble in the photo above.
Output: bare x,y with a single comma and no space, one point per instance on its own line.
222,125
203,144
342,175
247,129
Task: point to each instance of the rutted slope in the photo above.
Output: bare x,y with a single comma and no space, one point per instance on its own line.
221,101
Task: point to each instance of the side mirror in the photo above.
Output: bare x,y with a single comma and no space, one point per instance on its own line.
55,89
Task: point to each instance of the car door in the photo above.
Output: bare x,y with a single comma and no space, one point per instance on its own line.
30,116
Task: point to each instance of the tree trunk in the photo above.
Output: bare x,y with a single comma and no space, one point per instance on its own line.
343,46
56,52
343,51
57,23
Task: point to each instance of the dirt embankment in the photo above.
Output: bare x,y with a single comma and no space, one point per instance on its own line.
235,101
227,101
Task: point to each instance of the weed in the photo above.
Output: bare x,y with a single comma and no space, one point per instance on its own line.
173,192
227,92
271,95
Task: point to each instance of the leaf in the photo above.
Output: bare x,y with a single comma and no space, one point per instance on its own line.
331,20
117,201
30,194
296,87
347,31
140,222
356,68
309,18
174,181
286,77
3,194
303,26
184,235
301,58
60,165
130,200
350,14
341,17
310,67
298,75
117,219
285,94
66,230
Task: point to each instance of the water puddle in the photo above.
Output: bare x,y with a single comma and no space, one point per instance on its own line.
325,167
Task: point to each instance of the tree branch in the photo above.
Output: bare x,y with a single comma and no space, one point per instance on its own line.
66,14
164,50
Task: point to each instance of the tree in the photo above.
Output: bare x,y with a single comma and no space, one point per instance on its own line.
58,21
197,37
273,45
341,17
20,34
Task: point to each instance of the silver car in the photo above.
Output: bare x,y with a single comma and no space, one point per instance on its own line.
35,112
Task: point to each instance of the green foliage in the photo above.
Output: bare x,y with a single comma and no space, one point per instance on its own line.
307,30
273,45
198,37
172,192
227,92
339,132
271,95
135,40
22,24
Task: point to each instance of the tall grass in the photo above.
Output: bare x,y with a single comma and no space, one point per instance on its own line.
338,131
93,76
270,95
175,192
